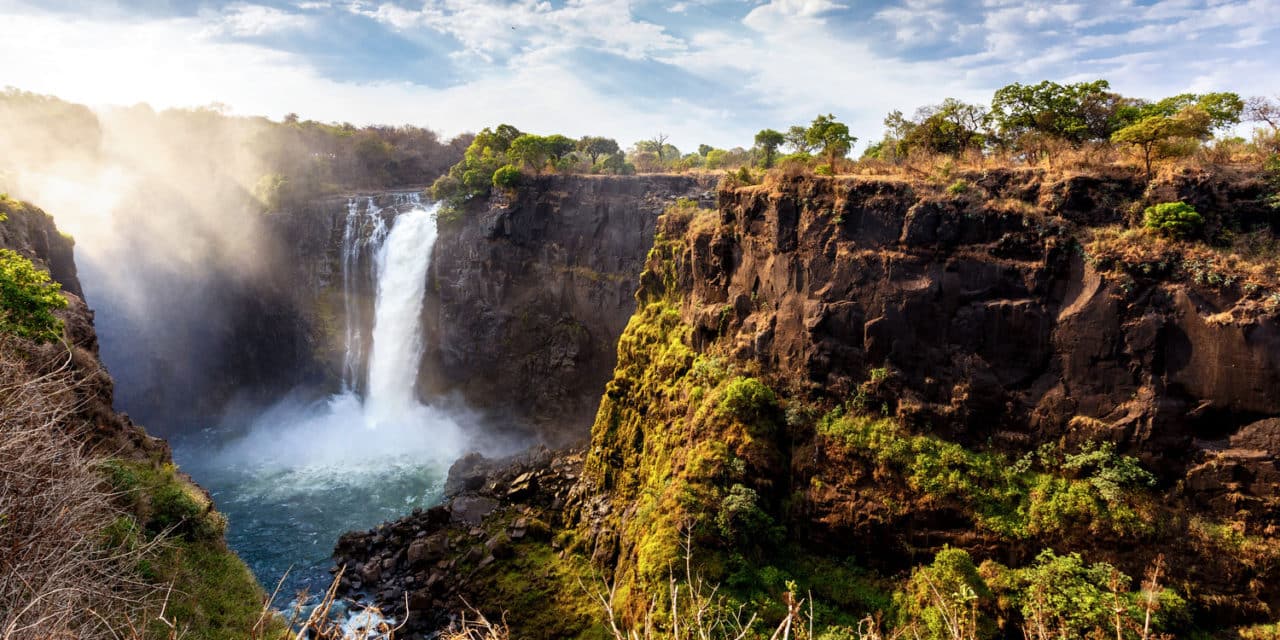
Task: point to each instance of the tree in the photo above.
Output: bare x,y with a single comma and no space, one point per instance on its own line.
1263,109
596,147
1224,109
506,177
797,140
557,147
531,150
768,142
1074,112
704,149
659,144
1149,133
831,136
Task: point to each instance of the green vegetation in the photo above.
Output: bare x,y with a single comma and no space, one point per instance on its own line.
1046,493
495,157
1177,220
213,595
507,177
28,299
768,141
831,137
1155,135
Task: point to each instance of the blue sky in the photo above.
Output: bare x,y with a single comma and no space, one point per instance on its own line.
712,71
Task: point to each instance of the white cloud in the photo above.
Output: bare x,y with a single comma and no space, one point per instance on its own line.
785,61
255,20
494,30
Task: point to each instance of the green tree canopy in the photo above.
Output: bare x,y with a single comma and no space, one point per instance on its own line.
831,136
1151,132
1073,112
596,147
797,138
530,150
768,141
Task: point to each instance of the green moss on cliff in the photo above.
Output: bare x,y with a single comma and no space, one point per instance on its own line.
1094,491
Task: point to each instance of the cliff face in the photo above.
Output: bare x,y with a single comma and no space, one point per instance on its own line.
531,291
994,318
831,372
32,233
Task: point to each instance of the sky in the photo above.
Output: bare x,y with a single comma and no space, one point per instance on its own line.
701,71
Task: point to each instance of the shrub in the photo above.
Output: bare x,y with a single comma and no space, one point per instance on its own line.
959,187
1173,219
944,599
28,299
748,400
507,177
741,521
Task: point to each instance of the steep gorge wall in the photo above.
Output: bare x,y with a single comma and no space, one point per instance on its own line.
530,291
965,335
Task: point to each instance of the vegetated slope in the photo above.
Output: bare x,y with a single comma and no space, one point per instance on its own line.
100,532
885,391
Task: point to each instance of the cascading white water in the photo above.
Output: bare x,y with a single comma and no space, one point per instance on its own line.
403,260
402,429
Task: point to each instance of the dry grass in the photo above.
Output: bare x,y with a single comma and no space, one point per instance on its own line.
68,566
1250,264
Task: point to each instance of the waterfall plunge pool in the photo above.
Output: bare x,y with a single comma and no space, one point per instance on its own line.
301,473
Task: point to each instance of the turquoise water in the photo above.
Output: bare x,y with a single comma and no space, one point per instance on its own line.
284,515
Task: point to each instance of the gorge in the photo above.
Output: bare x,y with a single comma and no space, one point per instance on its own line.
809,384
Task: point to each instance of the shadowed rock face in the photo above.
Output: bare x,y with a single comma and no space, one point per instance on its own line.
995,325
531,291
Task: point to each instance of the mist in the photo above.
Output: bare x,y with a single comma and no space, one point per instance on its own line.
171,212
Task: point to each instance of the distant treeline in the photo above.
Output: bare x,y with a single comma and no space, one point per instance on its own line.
1023,124
279,162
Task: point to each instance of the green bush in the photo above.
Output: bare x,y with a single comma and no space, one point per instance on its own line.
1173,219
741,521
947,592
507,177
959,187
748,400
28,299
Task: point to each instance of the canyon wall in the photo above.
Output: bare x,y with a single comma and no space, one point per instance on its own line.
824,373
530,291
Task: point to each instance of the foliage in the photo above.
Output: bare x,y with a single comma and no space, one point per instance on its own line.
1154,135
742,522
507,177
768,141
952,128
750,402
943,599
596,147
831,137
959,187
1100,493
28,299
1073,112
213,595
1177,220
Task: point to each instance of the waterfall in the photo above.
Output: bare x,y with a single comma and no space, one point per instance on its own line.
390,254
397,329
304,470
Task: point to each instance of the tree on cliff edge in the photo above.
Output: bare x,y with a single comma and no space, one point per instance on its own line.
831,136
768,142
